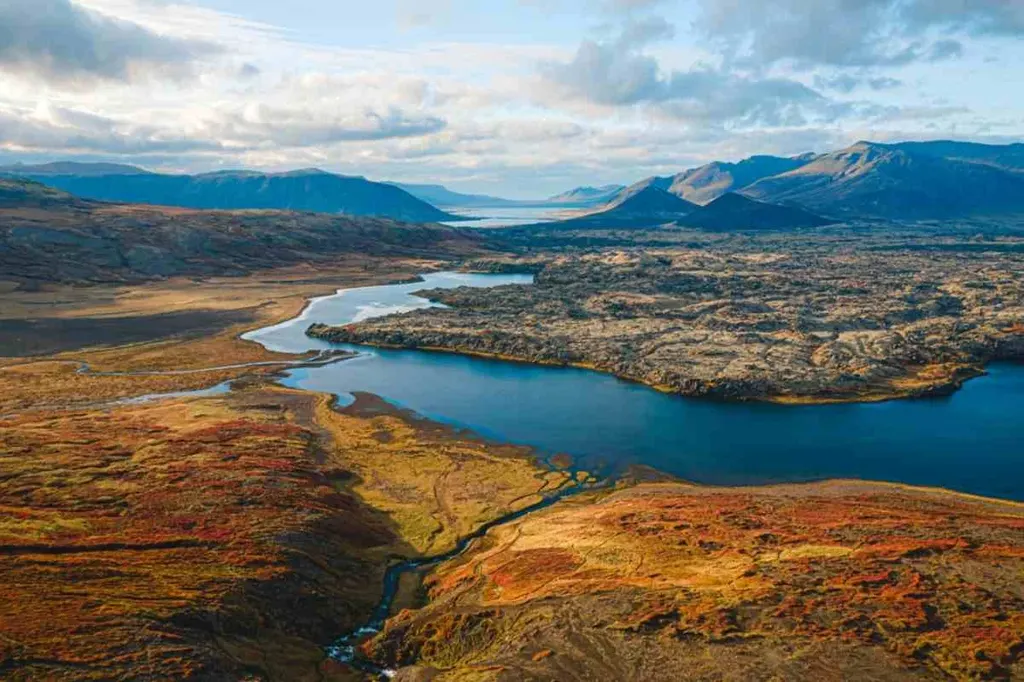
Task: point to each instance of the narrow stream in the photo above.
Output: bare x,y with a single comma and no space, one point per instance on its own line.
346,648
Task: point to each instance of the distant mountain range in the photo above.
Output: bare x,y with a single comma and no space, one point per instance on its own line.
908,180
439,195
586,196
49,235
705,184
651,206
904,181
899,181
580,197
302,190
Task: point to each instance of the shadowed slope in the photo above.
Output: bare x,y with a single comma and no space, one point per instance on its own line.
871,179
303,190
47,235
736,212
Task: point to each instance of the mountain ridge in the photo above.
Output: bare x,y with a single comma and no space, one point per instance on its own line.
879,180
310,190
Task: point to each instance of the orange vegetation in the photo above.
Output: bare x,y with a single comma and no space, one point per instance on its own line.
220,537
931,581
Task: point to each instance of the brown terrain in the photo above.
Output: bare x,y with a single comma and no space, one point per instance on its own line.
666,581
830,317
236,536
215,538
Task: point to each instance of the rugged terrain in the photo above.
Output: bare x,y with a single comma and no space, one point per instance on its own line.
665,581
833,317
222,537
47,236
235,536
894,182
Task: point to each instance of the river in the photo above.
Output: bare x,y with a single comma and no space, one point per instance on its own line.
972,441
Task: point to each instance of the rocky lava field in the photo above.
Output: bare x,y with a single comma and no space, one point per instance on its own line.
785,318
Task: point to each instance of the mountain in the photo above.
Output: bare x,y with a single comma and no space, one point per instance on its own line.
703,184
48,235
888,181
580,197
650,201
304,190
646,207
1005,156
736,212
706,183
584,197
73,168
439,195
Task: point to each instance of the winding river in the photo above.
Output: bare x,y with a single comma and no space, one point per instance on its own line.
972,441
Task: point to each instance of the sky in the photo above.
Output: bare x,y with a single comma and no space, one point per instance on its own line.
520,98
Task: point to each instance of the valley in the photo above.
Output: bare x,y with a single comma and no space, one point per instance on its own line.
203,490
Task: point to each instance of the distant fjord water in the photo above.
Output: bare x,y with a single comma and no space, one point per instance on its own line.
972,441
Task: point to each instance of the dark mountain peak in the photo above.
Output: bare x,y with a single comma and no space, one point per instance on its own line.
733,211
652,199
732,201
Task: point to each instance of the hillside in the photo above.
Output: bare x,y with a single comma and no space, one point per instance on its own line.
303,190
736,212
706,183
584,197
30,194
1005,156
46,235
884,181
647,207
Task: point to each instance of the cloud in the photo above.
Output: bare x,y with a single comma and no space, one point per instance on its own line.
618,73
858,33
848,82
974,17
61,41
264,125
57,129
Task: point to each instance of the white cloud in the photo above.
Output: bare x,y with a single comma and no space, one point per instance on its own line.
635,90
58,40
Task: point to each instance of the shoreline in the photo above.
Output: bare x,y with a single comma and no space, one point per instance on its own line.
937,391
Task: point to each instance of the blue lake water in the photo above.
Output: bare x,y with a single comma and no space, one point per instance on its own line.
972,441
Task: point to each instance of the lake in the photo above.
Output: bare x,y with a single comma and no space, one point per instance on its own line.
972,441
505,216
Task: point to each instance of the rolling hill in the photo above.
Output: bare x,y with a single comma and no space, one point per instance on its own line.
1009,156
48,235
303,190
869,179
